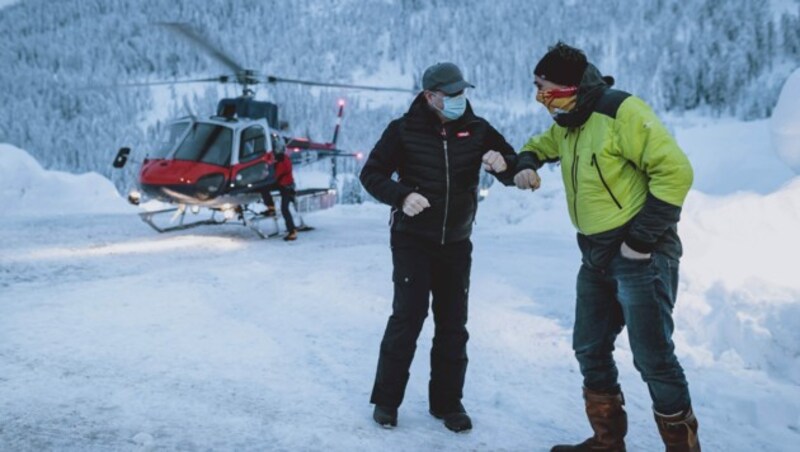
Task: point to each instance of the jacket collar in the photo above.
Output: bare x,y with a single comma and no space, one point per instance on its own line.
592,87
420,112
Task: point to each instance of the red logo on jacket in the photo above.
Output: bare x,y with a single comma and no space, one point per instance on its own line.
463,134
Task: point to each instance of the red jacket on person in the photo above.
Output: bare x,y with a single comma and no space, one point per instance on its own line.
283,171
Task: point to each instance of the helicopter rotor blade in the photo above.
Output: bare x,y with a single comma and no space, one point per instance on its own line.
274,79
220,79
190,34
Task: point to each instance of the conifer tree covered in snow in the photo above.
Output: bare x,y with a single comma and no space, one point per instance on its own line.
723,57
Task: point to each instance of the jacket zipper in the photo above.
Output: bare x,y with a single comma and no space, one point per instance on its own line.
575,158
602,179
447,181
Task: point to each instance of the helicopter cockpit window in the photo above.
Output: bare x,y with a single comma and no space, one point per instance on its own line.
207,143
254,143
169,138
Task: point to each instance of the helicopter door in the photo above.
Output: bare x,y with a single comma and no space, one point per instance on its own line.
254,169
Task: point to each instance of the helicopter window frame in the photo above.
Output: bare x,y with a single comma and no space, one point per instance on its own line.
217,138
256,152
170,137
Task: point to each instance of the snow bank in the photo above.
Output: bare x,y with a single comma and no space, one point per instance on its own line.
785,123
730,156
26,188
740,283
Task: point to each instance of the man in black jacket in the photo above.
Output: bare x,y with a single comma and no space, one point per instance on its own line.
437,149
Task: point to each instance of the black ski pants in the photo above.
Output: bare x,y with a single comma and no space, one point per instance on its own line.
287,197
422,268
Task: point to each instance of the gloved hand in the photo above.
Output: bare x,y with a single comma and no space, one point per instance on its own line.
527,179
494,161
414,204
629,253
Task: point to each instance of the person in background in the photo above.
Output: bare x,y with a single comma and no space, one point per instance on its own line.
284,182
437,149
626,180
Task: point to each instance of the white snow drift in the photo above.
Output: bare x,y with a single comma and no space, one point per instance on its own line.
27,189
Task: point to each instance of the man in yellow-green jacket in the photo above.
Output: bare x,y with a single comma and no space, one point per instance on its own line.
626,180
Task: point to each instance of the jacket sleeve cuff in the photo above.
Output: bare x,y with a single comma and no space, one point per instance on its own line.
506,177
527,160
640,246
400,196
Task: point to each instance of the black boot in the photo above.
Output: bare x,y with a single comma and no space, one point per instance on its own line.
385,417
609,421
456,420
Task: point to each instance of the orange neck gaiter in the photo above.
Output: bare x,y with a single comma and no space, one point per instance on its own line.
558,101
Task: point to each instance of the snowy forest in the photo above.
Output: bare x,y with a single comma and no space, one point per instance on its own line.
61,60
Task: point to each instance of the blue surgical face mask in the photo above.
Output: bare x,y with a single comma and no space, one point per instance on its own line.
454,107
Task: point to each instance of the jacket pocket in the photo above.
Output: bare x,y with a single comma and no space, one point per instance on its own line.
603,180
461,212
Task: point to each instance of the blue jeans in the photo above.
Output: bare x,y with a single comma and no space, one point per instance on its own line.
639,294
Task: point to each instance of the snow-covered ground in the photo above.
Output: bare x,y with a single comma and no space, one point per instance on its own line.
113,337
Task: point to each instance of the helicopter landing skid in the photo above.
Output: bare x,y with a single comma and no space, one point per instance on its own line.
179,213
147,217
254,221
307,201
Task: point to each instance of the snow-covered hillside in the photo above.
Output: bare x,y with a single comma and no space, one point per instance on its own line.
113,337
730,62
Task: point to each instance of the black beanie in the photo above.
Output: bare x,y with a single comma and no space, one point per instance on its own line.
563,65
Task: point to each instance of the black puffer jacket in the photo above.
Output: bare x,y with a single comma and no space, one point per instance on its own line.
439,161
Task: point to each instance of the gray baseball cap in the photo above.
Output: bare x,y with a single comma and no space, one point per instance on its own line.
444,77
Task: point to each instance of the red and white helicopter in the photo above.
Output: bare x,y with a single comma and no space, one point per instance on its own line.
223,162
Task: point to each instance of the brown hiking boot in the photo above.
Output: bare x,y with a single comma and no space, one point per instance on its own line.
270,212
292,235
679,431
609,421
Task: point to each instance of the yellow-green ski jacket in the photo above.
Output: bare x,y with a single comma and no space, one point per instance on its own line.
624,174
